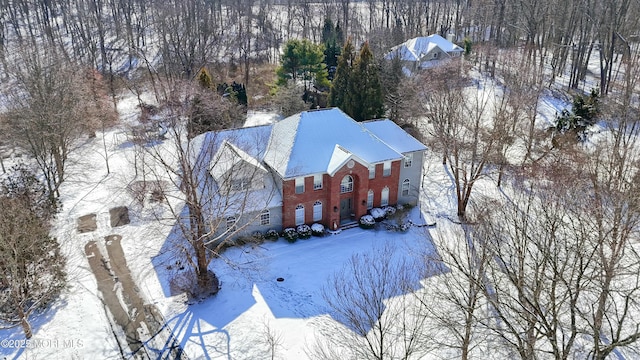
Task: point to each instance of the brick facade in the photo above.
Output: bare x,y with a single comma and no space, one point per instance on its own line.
330,195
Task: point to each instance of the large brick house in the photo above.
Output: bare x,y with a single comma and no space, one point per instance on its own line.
324,168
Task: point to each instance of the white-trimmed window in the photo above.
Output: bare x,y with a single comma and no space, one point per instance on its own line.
299,185
240,184
370,199
231,223
346,185
408,160
265,217
317,211
317,182
384,196
372,172
386,169
406,185
300,214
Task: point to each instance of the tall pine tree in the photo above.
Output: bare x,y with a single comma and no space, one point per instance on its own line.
340,88
368,100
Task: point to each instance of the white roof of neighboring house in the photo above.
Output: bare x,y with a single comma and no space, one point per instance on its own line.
305,143
415,49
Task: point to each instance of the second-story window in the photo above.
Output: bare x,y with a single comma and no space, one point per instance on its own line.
386,169
299,185
346,185
317,182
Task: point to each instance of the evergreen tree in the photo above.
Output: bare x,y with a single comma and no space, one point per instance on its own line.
204,78
340,96
332,40
368,101
303,60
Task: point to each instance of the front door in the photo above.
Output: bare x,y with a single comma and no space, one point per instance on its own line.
345,209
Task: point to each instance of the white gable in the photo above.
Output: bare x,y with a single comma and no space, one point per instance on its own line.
229,157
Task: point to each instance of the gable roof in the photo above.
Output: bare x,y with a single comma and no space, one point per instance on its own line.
228,158
415,49
305,143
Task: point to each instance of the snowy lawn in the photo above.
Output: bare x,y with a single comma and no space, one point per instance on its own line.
252,302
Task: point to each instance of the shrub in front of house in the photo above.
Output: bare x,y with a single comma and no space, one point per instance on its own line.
290,234
304,231
378,214
272,235
367,222
317,229
258,237
389,210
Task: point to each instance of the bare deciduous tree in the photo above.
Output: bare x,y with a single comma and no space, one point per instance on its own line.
212,197
50,107
375,320
31,267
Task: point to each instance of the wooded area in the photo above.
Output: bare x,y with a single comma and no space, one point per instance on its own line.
177,38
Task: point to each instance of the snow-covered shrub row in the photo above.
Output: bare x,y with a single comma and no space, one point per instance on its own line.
367,222
304,231
317,229
290,234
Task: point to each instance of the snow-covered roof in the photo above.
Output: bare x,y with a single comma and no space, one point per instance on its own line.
415,49
394,136
228,157
305,143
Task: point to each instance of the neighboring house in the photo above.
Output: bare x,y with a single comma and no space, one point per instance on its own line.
325,167
424,52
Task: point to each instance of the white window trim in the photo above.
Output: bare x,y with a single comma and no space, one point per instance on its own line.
299,211
384,196
299,182
317,211
370,198
386,169
372,172
408,160
348,187
262,217
406,188
317,182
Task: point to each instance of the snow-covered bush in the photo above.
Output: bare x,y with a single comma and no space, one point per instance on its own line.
404,226
272,235
258,236
389,210
367,222
378,214
290,234
304,231
317,229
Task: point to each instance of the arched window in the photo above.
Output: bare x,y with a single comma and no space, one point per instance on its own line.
370,199
406,185
346,185
299,214
384,201
317,211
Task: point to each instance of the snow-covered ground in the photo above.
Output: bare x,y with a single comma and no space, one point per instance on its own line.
251,303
